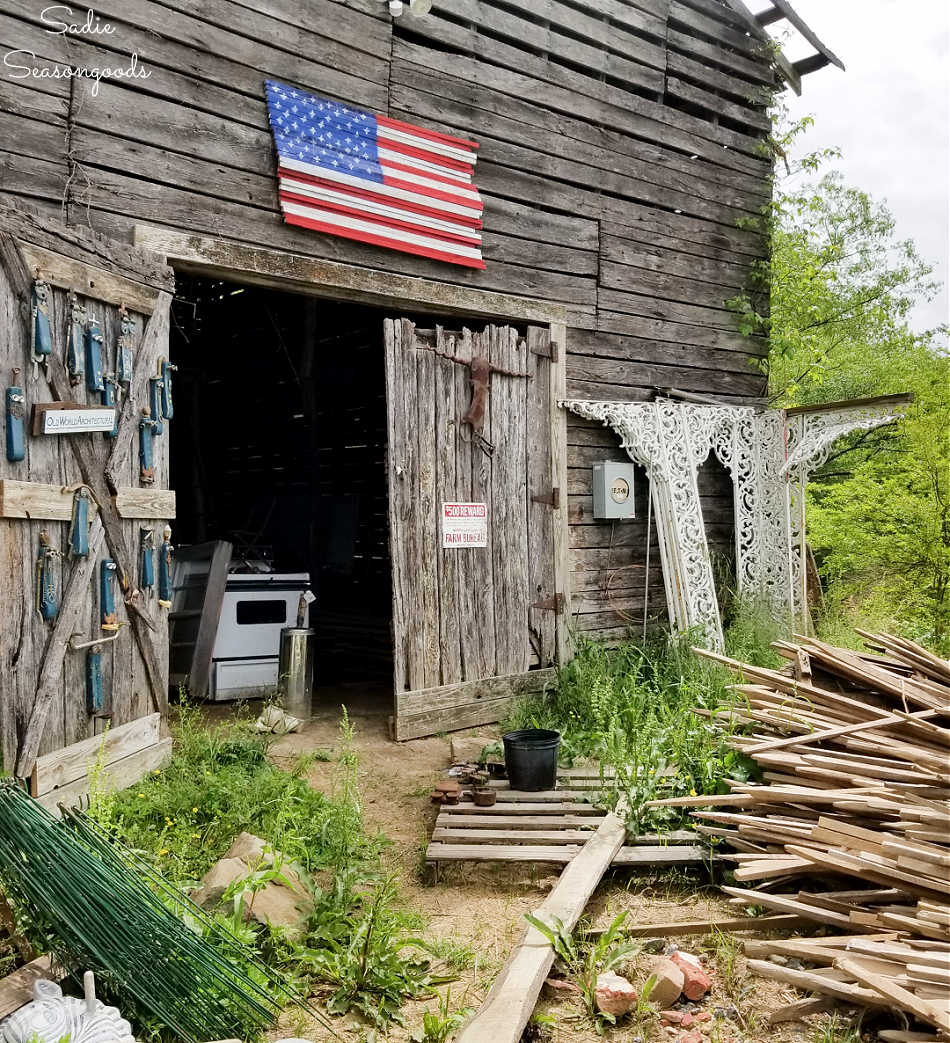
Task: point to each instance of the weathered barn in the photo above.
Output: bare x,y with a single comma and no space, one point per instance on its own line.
322,383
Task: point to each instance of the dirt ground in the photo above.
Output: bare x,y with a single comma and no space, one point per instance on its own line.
483,904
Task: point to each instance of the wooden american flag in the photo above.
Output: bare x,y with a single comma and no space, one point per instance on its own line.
346,172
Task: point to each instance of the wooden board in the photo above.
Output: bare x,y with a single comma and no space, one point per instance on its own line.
55,502
54,770
119,775
545,827
505,1012
465,704
17,988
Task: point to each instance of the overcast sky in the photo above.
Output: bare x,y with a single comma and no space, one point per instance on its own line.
889,113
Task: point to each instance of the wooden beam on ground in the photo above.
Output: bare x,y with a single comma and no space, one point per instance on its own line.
781,922
512,998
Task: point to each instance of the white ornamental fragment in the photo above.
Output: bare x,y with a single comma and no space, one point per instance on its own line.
51,1017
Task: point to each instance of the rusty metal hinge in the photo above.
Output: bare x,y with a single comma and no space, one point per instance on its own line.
552,499
546,351
554,604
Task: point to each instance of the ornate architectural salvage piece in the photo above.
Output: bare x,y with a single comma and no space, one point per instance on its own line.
52,1017
769,454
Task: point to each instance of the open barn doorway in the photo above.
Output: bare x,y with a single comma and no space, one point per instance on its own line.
278,447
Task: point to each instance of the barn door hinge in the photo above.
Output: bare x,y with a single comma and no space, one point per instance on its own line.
546,351
552,499
554,604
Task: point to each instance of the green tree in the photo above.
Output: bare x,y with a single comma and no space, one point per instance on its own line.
840,286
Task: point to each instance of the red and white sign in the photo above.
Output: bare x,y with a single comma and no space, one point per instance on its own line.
464,525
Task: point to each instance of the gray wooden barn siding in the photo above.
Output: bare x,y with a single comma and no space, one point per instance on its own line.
620,149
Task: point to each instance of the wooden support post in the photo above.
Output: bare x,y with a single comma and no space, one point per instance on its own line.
562,554
511,1000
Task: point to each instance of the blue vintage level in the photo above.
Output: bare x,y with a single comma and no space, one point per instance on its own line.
146,448
41,332
108,617
15,410
47,594
95,697
147,580
110,397
79,533
94,374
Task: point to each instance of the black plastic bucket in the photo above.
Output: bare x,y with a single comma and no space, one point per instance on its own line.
531,759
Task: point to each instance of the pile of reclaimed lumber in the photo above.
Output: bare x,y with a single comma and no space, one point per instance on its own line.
853,813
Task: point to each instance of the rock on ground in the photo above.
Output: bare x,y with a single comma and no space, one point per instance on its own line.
614,994
696,982
276,903
668,985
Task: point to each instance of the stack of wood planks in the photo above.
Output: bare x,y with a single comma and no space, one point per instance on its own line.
851,826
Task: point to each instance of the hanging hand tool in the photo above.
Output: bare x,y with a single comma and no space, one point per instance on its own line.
166,369
75,355
94,379
111,389
41,333
94,694
124,347
147,580
79,531
16,447
147,428
47,597
108,618
165,569
155,402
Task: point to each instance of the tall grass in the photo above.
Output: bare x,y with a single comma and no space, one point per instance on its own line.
647,711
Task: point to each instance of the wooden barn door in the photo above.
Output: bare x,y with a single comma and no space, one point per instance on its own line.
473,626
44,704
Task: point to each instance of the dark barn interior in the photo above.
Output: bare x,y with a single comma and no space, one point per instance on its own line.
279,447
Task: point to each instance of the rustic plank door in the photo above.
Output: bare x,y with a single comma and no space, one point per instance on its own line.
43,706
473,627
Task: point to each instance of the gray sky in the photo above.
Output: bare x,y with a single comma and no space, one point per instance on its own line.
889,113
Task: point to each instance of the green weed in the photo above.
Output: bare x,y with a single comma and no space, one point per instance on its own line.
438,1025
837,1030
656,714
586,962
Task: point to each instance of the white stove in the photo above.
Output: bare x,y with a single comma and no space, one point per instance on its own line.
255,608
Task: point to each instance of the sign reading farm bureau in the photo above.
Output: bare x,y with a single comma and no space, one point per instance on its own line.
464,525
57,419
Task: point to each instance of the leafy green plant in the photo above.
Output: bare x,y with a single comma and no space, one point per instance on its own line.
655,716
587,962
219,783
438,1025
369,965
837,1030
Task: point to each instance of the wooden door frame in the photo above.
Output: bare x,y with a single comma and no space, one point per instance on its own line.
256,266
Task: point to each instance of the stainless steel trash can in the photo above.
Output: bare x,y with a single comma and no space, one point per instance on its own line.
295,672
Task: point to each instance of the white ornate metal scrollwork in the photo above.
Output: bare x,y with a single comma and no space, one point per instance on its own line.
769,455
51,1017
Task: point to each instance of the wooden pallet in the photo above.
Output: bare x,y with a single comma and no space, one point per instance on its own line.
548,827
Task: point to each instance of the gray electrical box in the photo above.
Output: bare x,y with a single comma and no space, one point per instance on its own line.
613,491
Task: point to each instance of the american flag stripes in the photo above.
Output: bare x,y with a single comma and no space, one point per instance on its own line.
347,172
